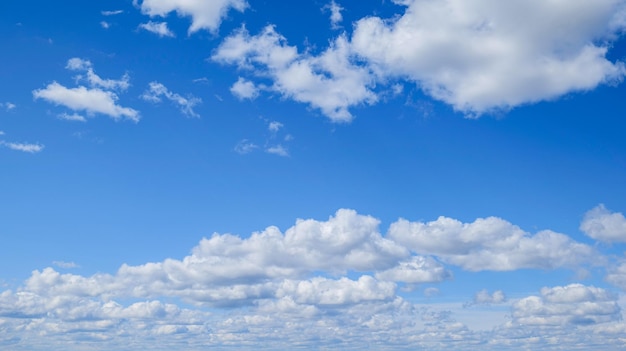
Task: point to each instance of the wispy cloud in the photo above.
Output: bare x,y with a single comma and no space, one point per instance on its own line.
111,13
158,28
24,147
156,91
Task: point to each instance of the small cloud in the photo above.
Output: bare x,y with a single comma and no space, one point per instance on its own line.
111,13
204,80
156,90
484,298
245,147
8,106
278,150
24,147
63,264
335,14
244,89
1,132
158,28
431,292
288,137
274,126
105,24
603,225
73,117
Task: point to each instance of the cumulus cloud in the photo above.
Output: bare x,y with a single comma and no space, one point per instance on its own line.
481,55
158,28
90,100
574,304
334,277
24,147
274,126
78,64
483,297
604,225
329,82
277,150
204,14
244,89
335,14
489,244
157,90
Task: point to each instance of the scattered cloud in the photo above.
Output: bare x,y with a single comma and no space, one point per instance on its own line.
1,132
90,100
105,24
245,147
335,14
329,82
158,28
111,13
157,90
476,55
490,244
279,150
244,89
72,117
24,147
483,297
574,304
78,64
8,106
604,225
63,264
274,126
204,15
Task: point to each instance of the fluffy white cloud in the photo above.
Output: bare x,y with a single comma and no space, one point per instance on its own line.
78,64
329,81
483,297
274,126
204,14
8,106
158,28
563,305
325,292
157,90
604,225
335,13
478,55
24,147
277,150
415,271
489,244
92,100
244,89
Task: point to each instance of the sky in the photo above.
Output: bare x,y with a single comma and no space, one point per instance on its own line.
245,174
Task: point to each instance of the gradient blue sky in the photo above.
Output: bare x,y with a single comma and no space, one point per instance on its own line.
349,174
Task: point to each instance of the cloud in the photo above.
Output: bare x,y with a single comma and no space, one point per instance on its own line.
483,297
277,150
8,106
574,304
92,100
329,81
604,225
105,24
158,28
490,244
73,117
63,264
244,89
78,64
336,277
335,14
204,15
245,147
157,90
24,147
111,13
481,55
274,126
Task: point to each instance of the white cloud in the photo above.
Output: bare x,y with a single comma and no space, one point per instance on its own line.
329,81
480,55
244,89
8,106
278,150
1,132
24,147
72,117
93,100
157,90
574,304
335,14
105,24
158,28
417,270
245,147
204,14
78,64
274,126
111,13
483,297
63,264
604,225
490,244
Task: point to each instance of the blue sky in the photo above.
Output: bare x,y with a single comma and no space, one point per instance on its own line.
445,174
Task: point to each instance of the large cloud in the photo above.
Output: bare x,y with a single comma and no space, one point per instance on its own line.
489,244
477,55
204,14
